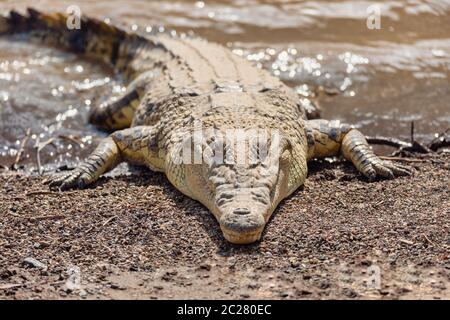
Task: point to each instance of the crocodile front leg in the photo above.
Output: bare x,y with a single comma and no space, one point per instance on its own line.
136,145
329,138
105,157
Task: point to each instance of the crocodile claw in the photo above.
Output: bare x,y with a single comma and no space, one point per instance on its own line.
77,178
375,168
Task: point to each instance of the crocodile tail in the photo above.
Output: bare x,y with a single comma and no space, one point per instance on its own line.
94,38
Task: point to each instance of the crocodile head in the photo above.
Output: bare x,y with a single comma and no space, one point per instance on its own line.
242,194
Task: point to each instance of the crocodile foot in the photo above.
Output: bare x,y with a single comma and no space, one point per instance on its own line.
77,178
373,167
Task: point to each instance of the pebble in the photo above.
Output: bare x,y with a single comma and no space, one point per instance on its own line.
205,266
83,294
116,286
33,263
41,245
294,262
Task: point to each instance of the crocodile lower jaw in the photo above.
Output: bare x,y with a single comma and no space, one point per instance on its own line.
242,238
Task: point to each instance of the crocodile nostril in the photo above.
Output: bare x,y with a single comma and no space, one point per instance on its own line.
241,211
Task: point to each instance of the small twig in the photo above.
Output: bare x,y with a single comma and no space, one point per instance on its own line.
22,148
341,202
39,146
52,217
401,145
10,286
393,142
109,220
39,218
44,192
35,193
429,241
107,248
379,203
126,233
406,242
441,141
401,159
38,155
89,230
75,140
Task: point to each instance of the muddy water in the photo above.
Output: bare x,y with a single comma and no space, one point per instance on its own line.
385,77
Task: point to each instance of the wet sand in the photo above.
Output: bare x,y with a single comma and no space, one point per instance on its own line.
134,236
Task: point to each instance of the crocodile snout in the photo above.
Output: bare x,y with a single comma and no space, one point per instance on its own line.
242,225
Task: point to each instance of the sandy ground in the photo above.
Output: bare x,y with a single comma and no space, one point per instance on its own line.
134,236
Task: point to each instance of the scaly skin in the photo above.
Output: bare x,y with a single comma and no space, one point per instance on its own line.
176,85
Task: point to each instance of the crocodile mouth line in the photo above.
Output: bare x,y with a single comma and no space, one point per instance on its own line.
236,237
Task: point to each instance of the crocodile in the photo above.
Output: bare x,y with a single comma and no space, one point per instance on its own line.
224,132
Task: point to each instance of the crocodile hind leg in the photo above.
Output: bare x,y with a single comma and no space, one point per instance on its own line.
137,145
118,113
115,115
328,138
